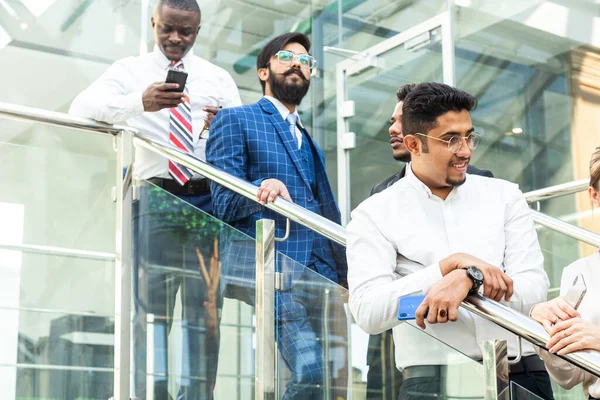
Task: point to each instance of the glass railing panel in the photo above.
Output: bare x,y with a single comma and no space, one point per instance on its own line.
194,323
38,339
457,376
60,283
518,392
28,383
57,191
311,329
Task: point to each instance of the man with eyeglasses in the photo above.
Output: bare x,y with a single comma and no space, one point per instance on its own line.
267,144
383,379
447,234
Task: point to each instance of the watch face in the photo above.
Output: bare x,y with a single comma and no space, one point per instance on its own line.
475,273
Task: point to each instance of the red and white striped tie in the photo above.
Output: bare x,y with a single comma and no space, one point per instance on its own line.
180,133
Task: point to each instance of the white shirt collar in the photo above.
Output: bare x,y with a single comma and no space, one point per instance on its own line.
165,63
416,182
283,110
420,186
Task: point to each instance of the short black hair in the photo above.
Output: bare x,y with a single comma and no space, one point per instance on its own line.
276,44
185,5
427,101
404,90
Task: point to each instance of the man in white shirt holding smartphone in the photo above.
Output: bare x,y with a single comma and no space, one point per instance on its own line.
134,90
446,233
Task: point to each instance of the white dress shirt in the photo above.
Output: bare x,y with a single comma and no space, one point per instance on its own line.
397,238
563,372
283,110
117,96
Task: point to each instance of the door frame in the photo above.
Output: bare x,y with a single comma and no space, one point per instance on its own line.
367,58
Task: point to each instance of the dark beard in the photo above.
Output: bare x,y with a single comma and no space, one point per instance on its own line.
454,183
285,92
403,158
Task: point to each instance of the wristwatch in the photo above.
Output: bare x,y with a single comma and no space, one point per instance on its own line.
476,276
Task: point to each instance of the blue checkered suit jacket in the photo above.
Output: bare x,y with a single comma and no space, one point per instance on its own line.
253,143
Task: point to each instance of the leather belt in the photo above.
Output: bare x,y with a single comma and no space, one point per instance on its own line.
531,363
422,371
199,186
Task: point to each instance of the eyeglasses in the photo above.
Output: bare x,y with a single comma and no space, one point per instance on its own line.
287,58
455,142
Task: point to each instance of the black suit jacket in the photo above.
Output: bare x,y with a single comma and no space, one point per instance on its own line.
381,186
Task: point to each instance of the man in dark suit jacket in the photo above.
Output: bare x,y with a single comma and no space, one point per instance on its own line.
383,378
265,143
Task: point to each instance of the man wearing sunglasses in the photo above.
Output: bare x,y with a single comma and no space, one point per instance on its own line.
447,234
267,144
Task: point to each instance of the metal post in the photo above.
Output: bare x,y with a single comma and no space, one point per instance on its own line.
123,269
495,370
448,60
265,310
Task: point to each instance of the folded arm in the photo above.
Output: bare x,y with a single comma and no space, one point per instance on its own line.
375,288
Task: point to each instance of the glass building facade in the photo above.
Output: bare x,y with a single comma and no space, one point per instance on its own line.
533,65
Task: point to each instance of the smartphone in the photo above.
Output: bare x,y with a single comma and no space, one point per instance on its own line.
176,76
407,306
576,292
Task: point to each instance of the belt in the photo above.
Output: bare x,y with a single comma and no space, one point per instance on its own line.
199,186
422,371
530,363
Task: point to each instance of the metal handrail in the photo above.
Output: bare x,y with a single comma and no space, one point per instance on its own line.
565,228
30,114
513,321
557,190
59,251
527,328
286,208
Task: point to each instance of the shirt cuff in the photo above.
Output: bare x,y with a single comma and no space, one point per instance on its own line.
135,103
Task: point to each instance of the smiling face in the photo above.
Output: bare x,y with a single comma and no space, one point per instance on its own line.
400,152
287,83
175,31
433,163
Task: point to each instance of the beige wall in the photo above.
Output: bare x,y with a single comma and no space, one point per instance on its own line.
585,92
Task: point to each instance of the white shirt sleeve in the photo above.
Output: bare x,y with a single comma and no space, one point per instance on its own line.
375,288
523,259
109,99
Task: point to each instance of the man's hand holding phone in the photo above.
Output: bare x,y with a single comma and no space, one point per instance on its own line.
160,95
166,94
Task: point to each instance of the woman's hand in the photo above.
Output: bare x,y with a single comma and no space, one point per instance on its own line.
551,312
573,335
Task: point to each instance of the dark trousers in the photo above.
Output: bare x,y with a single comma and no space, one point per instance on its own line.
383,378
430,387
167,230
